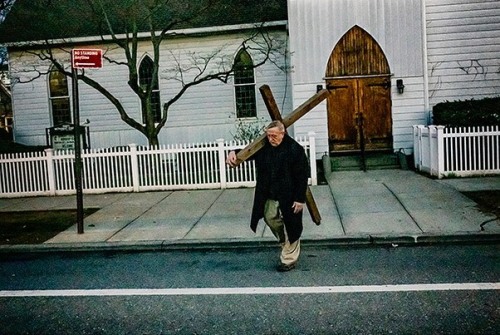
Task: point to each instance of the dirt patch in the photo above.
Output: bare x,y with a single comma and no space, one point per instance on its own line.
487,201
34,227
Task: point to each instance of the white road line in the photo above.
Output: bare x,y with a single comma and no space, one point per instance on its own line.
252,290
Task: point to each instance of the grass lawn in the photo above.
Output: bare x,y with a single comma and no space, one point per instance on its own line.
488,201
34,227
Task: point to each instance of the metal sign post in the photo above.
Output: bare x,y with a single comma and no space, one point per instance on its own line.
80,58
78,153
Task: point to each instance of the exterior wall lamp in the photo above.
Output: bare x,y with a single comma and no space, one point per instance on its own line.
400,86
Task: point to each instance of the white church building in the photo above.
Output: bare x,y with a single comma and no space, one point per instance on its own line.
385,63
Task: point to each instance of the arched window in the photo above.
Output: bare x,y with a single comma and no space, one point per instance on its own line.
59,98
145,81
244,85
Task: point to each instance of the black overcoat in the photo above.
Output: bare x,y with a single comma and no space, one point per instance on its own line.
292,178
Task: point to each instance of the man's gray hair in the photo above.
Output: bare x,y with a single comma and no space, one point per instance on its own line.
276,124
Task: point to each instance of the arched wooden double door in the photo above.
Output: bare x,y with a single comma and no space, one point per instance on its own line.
359,104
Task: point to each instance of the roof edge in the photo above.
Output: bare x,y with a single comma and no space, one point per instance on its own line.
172,33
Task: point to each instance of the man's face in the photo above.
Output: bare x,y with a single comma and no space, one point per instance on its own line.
275,136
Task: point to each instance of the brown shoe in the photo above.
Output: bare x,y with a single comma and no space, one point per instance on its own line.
285,267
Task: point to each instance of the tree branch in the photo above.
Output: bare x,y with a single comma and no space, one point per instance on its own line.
121,110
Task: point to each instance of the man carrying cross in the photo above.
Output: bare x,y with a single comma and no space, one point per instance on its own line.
280,192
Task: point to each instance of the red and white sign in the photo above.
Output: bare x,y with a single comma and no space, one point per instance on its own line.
86,58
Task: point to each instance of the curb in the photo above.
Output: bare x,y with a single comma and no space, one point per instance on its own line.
228,244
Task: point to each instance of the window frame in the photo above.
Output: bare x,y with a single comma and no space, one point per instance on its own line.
155,92
244,87
68,119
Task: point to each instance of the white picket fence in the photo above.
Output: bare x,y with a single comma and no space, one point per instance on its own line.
132,168
461,152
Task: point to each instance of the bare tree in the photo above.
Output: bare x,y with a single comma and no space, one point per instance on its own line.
3,58
127,26
5,6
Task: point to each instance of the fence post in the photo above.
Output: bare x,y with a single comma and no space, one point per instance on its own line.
222,162
51,176
416,146
312,157
134,168
440,151
432,150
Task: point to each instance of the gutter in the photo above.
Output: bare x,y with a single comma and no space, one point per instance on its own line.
425,62
144,35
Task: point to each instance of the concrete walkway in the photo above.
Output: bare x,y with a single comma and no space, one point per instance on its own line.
381,206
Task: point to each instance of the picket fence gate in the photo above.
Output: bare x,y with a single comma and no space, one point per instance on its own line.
132,168
459,151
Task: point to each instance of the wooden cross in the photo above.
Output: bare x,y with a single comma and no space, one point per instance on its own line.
274,112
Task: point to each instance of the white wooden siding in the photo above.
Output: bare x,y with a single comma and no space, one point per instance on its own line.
204,113
463,41
408,109
462,47
315,28
31,96
315,120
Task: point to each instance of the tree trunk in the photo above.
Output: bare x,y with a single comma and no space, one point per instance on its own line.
153,140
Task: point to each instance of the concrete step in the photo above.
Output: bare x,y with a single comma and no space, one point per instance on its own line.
374,161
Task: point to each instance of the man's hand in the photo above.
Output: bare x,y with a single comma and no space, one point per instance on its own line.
231,159
297,207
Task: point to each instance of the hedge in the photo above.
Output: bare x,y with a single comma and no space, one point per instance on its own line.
484,112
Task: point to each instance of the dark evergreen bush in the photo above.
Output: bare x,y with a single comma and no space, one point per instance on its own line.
484,112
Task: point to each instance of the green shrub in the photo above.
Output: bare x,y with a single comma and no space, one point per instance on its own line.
484,112
248,130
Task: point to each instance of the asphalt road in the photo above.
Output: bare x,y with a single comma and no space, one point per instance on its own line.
396,290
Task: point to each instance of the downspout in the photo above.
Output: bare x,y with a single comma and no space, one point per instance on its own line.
425,62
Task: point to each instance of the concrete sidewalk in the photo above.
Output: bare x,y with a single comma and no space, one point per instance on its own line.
380,206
